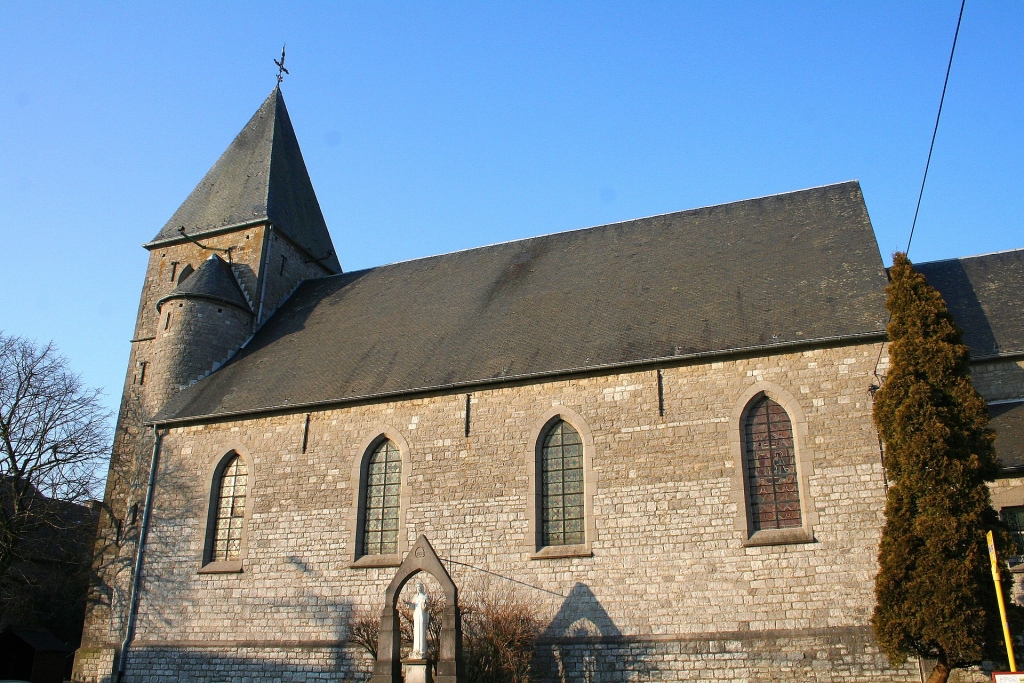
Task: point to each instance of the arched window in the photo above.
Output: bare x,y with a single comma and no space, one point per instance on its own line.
773,492
382,500
185,273
561,486
230,521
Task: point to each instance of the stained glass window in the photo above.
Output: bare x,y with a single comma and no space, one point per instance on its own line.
772,486
562,486
383,500
227,540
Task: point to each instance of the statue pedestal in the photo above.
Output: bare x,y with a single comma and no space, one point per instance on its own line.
417,670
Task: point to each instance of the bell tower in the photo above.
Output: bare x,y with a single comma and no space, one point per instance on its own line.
244,239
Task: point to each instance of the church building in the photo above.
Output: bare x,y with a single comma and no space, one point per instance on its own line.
657,431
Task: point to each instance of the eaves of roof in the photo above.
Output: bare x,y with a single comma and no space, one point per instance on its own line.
456,387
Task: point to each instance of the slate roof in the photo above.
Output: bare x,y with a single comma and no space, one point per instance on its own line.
1008,421
985,294
761,273
213,280
260,177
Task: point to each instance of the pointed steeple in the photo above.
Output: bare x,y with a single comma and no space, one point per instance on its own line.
260,177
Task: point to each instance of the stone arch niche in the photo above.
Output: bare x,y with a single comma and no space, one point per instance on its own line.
388,667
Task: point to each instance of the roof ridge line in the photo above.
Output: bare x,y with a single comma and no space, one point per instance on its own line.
604,225
964,258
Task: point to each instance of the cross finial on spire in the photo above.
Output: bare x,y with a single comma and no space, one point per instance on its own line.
280,68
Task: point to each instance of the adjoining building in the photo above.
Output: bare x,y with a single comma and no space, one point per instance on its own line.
660,429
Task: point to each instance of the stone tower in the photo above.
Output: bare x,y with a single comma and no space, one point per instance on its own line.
244,239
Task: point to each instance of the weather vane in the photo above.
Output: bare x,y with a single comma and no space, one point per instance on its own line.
280,68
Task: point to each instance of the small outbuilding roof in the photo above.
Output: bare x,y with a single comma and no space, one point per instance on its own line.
214,281
760,274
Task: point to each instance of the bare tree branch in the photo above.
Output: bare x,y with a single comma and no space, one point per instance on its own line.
54,435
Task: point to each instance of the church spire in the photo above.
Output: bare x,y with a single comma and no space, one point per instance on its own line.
261,177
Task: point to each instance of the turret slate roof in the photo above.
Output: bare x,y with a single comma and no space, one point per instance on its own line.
213,280
260,177
760,274
985,294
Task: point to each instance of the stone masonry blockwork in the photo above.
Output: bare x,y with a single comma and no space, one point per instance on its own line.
668,566
157,366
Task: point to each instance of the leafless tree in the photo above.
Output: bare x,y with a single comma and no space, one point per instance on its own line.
363,631
54,434
500,631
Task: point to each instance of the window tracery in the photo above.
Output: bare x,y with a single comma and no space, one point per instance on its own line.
770,464
561,486
382,500
230,522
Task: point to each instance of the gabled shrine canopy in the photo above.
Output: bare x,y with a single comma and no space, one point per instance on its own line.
261,177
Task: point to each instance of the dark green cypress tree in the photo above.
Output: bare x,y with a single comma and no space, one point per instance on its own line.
934,590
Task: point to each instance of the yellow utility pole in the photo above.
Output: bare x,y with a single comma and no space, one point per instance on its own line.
999,596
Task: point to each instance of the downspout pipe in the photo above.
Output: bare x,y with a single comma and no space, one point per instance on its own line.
133,599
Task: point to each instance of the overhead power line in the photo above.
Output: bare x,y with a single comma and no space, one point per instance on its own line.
927,164
935,131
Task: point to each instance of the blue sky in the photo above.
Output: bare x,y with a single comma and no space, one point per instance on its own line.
431,127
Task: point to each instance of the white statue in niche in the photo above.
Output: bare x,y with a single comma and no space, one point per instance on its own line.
420,620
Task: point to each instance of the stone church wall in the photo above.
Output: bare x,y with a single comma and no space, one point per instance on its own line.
670,589
286,267
225,328
166,263
999,380
155,371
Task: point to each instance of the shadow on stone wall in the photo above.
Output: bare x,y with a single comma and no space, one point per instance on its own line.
583,644
260,655
176,513
571,647
581,615
324,662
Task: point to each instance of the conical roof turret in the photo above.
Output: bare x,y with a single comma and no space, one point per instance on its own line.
260,177
213,281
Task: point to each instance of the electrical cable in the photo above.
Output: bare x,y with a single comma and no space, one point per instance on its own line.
927,164
935,131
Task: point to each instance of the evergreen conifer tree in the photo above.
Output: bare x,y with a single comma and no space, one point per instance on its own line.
934,590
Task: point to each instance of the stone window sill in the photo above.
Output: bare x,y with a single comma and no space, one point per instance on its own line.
779,537
376,561
224,567
552,552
